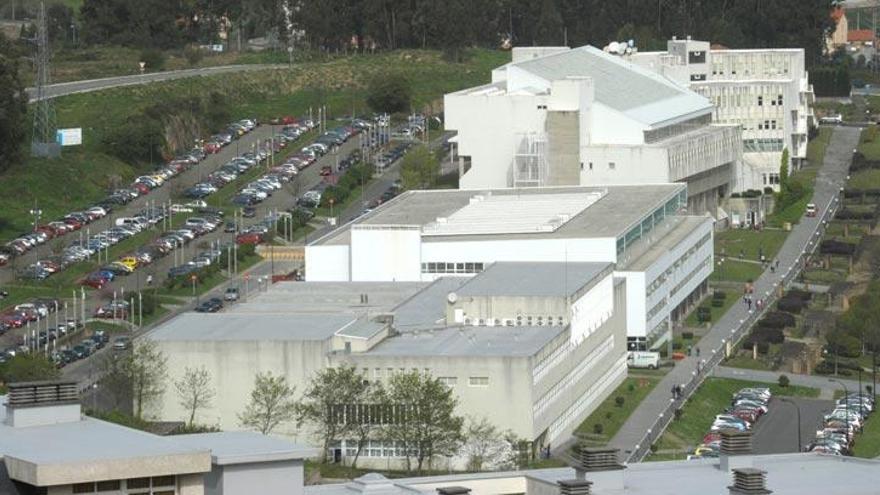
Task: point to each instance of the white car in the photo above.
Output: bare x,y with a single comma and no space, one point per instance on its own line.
175,208
197,203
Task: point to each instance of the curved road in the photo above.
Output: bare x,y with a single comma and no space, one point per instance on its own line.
69,88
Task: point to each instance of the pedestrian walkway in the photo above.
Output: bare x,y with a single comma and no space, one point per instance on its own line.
646,423
823,383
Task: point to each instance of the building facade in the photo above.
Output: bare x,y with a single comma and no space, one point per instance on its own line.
560,116
765,92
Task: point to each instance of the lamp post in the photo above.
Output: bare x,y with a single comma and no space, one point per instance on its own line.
846,401
798,409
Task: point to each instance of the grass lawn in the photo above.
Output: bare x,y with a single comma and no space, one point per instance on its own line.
748,244
21,293
747,363
824,276
795,211
869,144
867,443
736,271
84,174
711,399
865,179
633,390
816,148
715,312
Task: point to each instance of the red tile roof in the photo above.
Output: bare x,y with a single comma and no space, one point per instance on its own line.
860,35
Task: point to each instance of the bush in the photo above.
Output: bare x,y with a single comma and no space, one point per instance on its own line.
631,387
717,303
791,305
768,190
677,413
619,401
777,319
768,335
687,335
598,428
389,94
783,381
154,60
832,246
193,55
719,294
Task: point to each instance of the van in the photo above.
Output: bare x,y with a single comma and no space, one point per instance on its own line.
643,359
811,210
130,222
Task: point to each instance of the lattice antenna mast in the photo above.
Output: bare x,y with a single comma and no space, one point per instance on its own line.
43,138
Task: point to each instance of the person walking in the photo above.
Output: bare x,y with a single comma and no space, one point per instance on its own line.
149,279
749,302
698,352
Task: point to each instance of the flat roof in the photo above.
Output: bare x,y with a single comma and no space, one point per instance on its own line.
501,214
659,241
326,297
514,341
621,207
242,447
248,327
787,474
427,308
524,279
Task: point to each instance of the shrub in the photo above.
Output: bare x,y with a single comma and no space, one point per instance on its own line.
791,305
154,60
719,294
677,413
777,319
784,381
832,246
687,335
193,55
717,303
598,428
631,387
619,401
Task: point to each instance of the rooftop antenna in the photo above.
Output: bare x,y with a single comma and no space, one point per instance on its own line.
43,143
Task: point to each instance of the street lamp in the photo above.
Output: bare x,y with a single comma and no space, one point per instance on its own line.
798,409
846,401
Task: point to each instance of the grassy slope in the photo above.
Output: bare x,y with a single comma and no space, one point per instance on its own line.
716,312
612,417
749,243
867,443
84,174
711,399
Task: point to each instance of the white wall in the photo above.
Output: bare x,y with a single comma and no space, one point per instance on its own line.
612,127
385,255
635,303
592,309
632,164
327,263
272,478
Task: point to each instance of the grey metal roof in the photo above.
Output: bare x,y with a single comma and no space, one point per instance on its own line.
623,86
617,211
664,237
82,441
241,447
427,308
248,327
516,341
787,474
327,297
523,279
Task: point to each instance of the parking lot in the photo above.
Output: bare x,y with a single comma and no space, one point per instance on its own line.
777,432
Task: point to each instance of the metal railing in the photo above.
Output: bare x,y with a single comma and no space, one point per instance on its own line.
663,420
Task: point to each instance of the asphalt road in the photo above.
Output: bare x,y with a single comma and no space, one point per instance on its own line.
777,431
68,88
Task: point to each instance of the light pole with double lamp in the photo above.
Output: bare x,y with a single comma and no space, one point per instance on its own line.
846,401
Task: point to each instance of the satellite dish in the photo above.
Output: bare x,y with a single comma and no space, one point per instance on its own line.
452,297
621,48
613,46
631,43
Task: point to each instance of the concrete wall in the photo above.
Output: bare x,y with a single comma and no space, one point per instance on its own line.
269,478
563,131
502,308
592,309
385,255
632,164
327,263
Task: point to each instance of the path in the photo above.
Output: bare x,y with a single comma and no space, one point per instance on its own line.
826,386
87,86
648,421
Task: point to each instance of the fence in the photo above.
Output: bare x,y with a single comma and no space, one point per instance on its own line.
663,420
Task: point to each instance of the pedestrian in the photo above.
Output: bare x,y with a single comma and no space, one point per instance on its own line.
150,279
749,303
698,352
772,268
689,350
759,304
675,391
776,263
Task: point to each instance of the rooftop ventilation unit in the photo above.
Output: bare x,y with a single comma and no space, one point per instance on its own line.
574,487
749,481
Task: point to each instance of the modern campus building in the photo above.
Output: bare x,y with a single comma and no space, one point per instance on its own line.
47,446
548,340
556,116
766,92
665,256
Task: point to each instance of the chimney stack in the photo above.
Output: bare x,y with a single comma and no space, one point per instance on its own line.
574,487
600,459
735,449
42,403
749,481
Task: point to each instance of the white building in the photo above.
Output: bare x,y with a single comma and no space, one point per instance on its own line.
764,91
546,339
560,116
421,235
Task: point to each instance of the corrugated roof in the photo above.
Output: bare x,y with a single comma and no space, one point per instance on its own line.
524,279
637,92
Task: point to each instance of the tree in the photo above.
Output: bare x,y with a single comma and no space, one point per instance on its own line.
13,108
271,404
783,172
390,93
324,404
138,376
28,368
420,169
194,391
423,422
483,444
549,30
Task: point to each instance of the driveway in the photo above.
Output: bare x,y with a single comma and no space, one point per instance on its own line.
777,431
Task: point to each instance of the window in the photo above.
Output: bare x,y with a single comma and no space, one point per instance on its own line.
779,100
163,481
86,487
760,101
542,107
108,486
697,57
591,165
478,381
449,381
611,165
377,373
137,483
698,77
773,124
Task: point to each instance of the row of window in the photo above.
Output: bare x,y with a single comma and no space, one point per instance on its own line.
668,131
564,385
771,178
661,279
473,381
377,448
767,125
762,145
157,485
648,223
751,64
520,320
693,156
706,262
656,309
379,373
590,398
453,268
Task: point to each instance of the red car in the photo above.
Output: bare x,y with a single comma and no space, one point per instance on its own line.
95,281
213,147
141,187
326,171
48,230
74,223
249,238
14,320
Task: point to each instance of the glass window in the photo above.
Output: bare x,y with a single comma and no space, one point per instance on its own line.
478,381
86,487
108,486
137,483
459,268
163,481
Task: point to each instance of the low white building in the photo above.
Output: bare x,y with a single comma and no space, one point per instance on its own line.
665,256
560,116
765,91
546,339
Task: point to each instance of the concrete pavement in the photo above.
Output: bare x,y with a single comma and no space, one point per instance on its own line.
777,431
87,86
652,416
823,383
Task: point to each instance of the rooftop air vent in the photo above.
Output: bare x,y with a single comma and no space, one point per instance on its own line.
749,481
574,487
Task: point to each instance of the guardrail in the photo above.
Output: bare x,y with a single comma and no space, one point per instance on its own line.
663,420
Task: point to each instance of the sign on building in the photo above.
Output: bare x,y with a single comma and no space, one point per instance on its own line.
69,137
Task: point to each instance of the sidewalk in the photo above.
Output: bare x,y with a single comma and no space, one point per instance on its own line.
634,437
823,383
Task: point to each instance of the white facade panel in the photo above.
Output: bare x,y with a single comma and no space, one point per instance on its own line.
327,263
624,165
592,310
386,254
635,303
